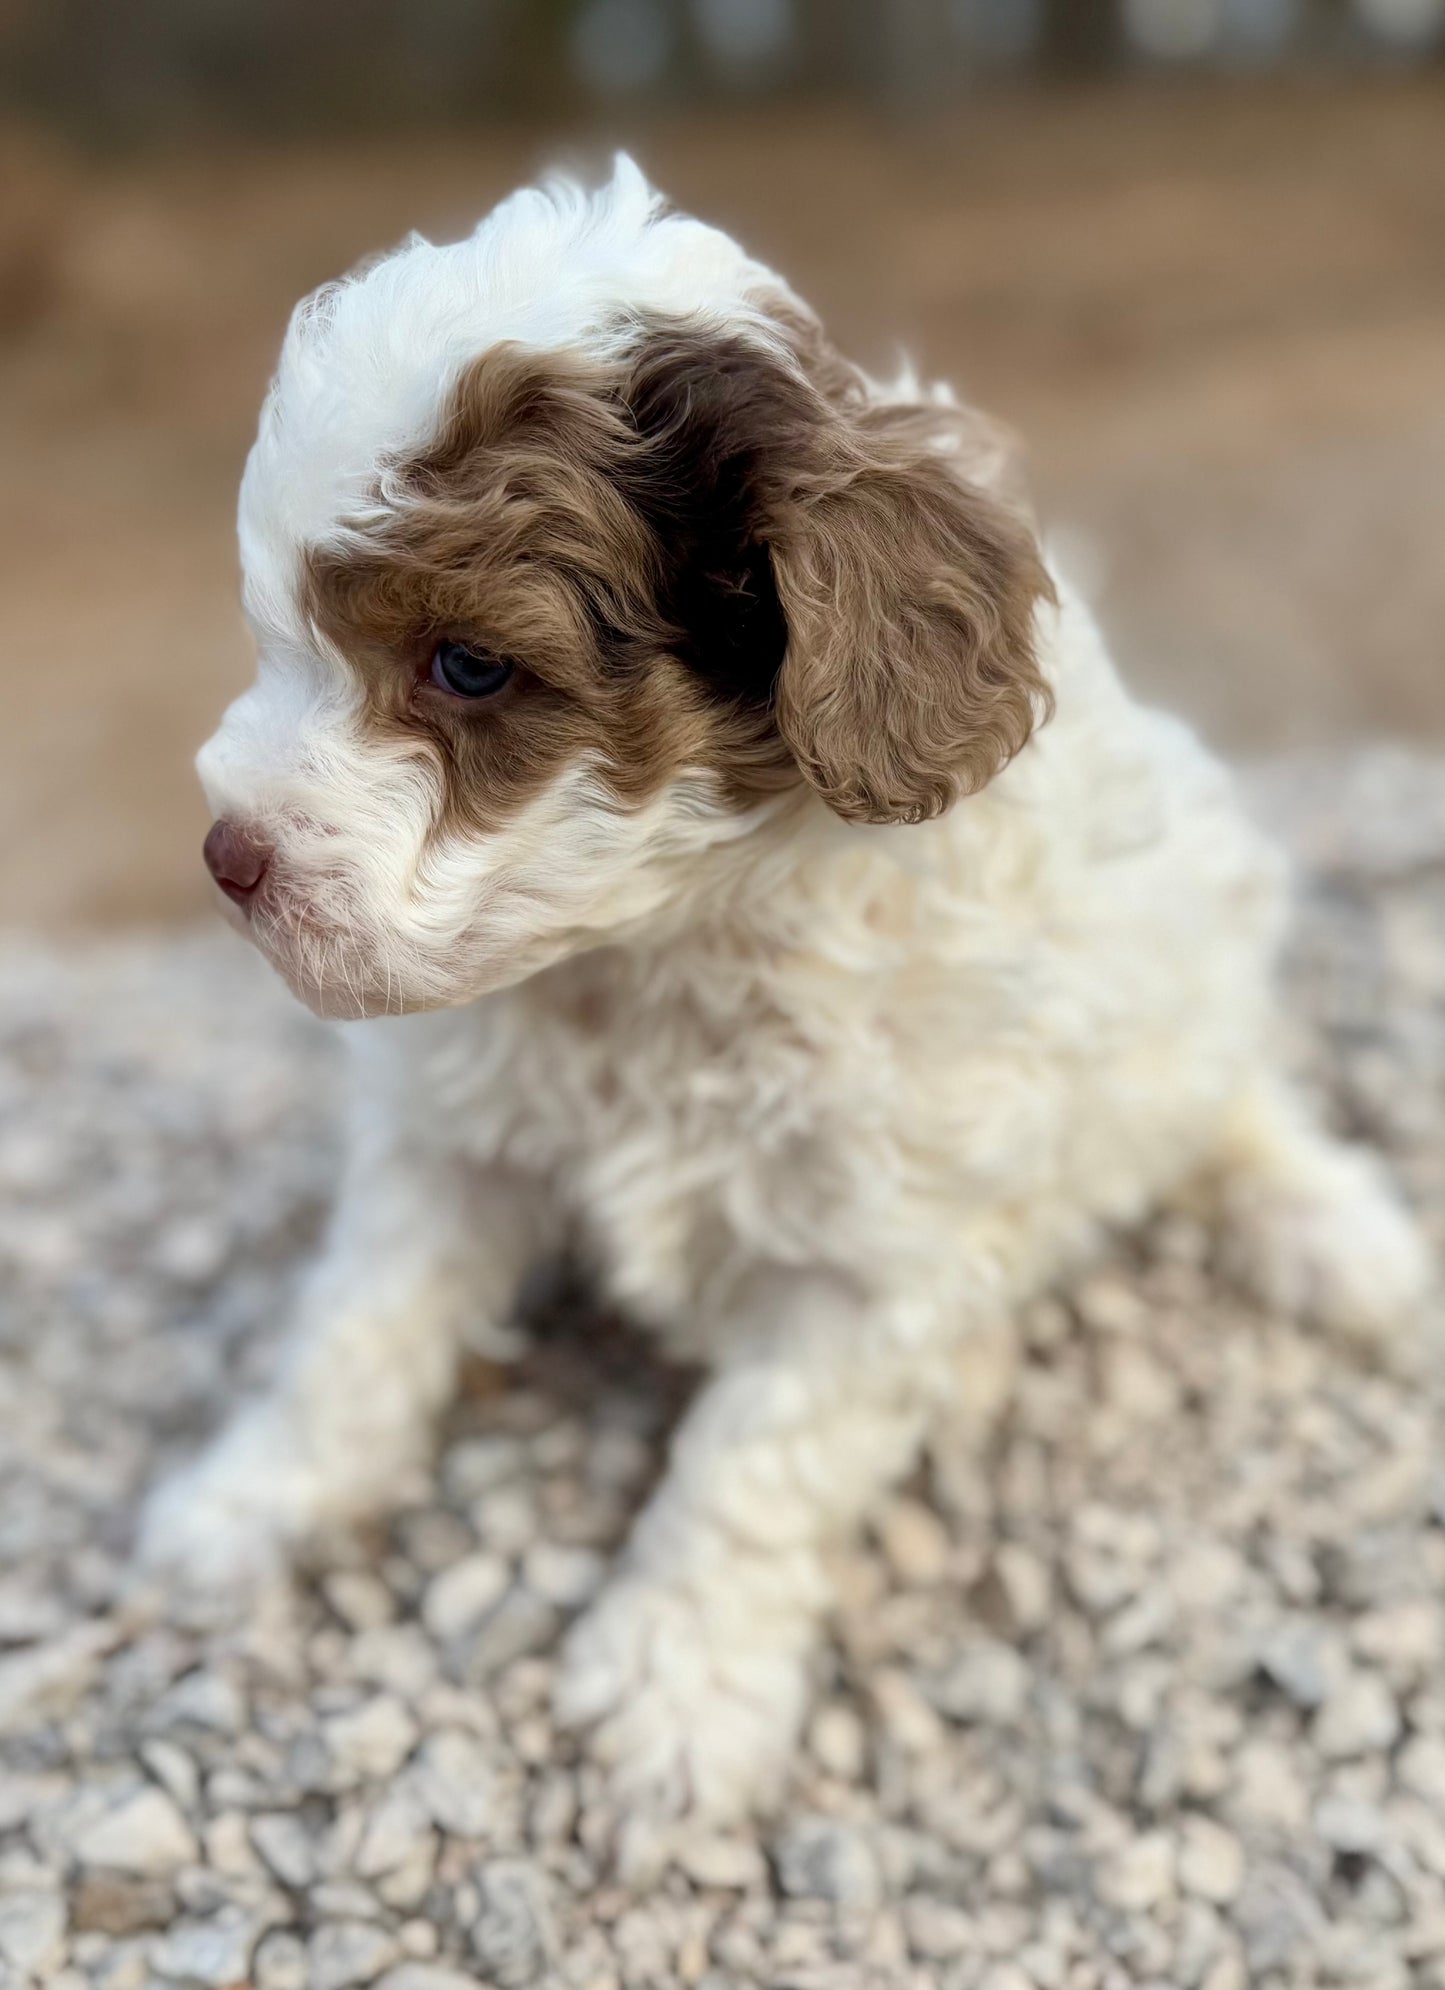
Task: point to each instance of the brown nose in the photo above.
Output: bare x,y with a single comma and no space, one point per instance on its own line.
236,858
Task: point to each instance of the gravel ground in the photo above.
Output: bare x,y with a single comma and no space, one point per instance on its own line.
1152,1694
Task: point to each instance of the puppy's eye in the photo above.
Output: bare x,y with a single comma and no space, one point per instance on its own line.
468,673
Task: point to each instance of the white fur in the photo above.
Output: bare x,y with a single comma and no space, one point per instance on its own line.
826,1103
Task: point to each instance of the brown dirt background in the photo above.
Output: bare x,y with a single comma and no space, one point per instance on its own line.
1216,313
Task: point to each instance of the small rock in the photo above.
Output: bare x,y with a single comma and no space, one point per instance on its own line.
820,1858
915,1543
725,1863
988,1682
938,1931
374,1740
512,1936
399,1657
1211,1860
226,1843
1141,1875
907,1719
396,1830
1278,1917
1108,1305
123,1965
459,1597
554,1809
361,1600
426,1976
838,1742
1299,1659
506,1519
455,1780
343,1953
115,1906
1025,1587
287,1847
173,1769
1420,1767
32,1930
522,1622
280,1962
1358,1718
479,1464
568,1577
1269,1786
143,1834
216,1950
1006,1976
201,1699
1349,1824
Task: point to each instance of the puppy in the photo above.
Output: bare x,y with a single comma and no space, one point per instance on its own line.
735,853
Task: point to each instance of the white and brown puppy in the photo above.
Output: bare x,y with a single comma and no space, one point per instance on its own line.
650,743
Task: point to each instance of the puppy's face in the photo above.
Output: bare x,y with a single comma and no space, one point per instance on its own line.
568,551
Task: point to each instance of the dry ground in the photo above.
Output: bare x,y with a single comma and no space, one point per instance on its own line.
1219,318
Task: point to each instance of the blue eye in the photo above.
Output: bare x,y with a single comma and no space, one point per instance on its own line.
468,673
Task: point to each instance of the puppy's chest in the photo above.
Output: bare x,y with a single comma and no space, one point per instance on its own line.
673,1121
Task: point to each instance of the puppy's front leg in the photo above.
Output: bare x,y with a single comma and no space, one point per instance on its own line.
691,1670
423,1253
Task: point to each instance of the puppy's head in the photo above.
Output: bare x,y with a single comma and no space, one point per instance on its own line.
571,551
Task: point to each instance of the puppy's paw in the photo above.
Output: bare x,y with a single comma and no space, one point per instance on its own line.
1335,1247
212,1534
692,1716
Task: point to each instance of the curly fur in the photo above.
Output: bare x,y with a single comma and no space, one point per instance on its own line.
765,941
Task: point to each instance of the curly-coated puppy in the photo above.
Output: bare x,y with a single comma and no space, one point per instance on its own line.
750,869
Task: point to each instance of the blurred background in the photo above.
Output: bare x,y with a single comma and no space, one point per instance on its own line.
1194,250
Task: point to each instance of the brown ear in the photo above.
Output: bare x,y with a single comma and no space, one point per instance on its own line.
910,676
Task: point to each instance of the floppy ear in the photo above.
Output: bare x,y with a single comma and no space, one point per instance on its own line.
827,558
910,676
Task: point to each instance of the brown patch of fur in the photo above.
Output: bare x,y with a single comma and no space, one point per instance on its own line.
909,577
517,533
712,555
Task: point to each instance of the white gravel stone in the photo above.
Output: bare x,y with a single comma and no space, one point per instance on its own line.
937,1931
568,1577
1142,1875
1211,1860
174,1769
202,1700
32,1930
1360,1717
342,1953
513,1936
396,1831
1349,1824
989,1681
280,1962
733,1864
459,1597
821,1858
455,1780
361,1599
915,1542
143,1833
374,1739
838,1741
1420,1767
214,1951
427,1976
287,1847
